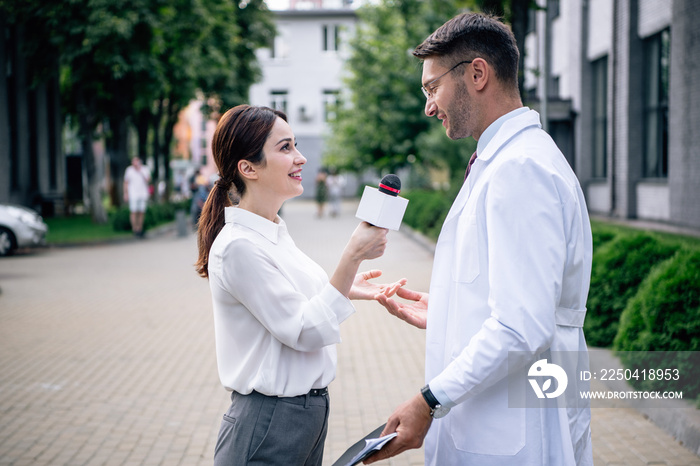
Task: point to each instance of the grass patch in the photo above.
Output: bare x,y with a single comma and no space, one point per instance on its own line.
79,229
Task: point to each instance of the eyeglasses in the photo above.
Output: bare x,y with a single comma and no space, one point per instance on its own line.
427,93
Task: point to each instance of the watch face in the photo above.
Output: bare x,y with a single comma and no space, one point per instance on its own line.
440,411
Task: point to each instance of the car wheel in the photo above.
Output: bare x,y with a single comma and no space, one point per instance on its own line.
7,242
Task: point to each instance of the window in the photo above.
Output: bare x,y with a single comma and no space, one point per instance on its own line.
278,100
656,79
599,71
331,38
273,47
331,103
553,8
531,20
279,45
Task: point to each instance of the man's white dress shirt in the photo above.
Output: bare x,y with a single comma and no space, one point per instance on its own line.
276,316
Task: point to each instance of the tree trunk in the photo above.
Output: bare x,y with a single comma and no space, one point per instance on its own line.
86,120
142,125
173,111
156,123
118,157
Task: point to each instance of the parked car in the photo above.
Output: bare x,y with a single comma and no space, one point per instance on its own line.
20,227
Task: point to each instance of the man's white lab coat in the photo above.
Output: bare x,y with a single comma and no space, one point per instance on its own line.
511,274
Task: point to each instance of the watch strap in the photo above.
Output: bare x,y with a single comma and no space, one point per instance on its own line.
429,397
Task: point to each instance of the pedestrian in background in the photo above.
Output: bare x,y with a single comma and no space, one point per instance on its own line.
199,197
276,313
336,183
137,178
321,191
511,271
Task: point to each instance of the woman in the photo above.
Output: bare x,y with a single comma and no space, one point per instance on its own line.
276,313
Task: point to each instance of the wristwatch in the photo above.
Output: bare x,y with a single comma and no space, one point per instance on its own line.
436,409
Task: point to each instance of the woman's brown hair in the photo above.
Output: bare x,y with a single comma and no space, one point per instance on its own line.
240,135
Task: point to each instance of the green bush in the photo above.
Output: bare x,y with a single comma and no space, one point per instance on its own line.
619,266
156,214
427,210
663,317
120,219
602,234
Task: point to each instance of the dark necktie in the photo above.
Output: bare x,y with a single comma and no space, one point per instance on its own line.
469,167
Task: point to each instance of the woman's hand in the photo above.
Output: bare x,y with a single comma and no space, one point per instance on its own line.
363,289
366,242
415,311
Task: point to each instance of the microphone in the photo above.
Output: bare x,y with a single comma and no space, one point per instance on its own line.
383,207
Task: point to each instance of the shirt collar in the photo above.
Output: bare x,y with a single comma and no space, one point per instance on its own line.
269,230
493,128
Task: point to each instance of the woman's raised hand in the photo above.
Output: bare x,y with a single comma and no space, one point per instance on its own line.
367,242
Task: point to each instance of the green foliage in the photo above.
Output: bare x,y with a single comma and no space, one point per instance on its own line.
385,113
619,266
663,318
140,62
427,210
602,233
437,150
156,214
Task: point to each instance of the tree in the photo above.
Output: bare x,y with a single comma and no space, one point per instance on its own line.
383,126
139,62
105,50
384,115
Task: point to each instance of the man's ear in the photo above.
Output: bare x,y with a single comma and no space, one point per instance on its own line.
247,170
480,74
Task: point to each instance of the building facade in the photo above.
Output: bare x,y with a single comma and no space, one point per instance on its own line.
624,95
302,75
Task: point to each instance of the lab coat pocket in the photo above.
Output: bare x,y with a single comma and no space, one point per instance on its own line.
485,425
465,268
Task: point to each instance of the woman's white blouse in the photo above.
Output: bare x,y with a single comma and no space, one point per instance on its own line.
276,316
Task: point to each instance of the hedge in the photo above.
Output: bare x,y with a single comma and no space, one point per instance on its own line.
427,210
156,214
664,318
619,266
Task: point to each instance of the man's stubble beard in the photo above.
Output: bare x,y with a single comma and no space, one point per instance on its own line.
459,113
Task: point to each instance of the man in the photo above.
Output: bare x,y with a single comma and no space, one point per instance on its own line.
511,271
136,180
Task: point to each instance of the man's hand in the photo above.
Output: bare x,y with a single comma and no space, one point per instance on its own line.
411,422
415,312
363,289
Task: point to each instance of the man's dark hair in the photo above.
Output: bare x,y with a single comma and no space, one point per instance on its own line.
474,35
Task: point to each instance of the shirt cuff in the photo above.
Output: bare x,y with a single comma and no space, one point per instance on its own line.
440,394
340,305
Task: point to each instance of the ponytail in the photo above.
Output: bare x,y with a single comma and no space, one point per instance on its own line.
211,222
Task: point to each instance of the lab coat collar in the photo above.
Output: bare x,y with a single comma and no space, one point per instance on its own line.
508,130
269,230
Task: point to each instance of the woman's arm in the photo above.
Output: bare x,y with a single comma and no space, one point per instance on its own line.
366,242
